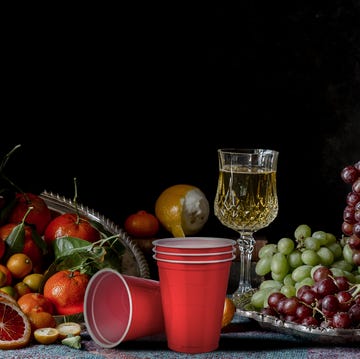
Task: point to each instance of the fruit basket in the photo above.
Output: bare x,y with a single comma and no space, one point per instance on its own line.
133,261
317,334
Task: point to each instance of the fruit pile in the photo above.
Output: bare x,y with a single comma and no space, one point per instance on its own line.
314,279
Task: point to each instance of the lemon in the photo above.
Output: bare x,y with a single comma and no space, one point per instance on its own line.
182,209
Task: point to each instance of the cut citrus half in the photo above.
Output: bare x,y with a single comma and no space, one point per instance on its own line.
15,327
182,209
46,335
68,329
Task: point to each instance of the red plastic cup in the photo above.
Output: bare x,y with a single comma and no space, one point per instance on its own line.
199,257
193,297
194,245
118,308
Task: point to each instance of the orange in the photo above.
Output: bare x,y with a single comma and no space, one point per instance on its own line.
39,216
15,327
229,312
30,247
8,274
19,264
182,209
35,302
46,335
41,320
141,224
66,290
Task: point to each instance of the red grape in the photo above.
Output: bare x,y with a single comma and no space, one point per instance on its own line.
341,320
349,174
356,186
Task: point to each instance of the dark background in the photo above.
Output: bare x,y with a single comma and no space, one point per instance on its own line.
132,100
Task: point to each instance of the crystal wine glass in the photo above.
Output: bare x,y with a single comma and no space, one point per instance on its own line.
246,200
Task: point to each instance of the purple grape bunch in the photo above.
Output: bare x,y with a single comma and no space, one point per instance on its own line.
351,215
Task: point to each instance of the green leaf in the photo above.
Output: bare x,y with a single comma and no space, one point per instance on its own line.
16,240
39,241
65,245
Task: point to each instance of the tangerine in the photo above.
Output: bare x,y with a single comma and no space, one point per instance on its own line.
19,264
66,290
15,327
41,320
39,216
229,312
8,274
71,225
141,224
35,302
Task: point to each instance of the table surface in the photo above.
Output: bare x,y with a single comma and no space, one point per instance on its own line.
243,338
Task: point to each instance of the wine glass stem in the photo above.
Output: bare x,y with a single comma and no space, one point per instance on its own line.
246,244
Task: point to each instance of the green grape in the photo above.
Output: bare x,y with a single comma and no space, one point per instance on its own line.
343,265
269,283
337,272
294,259
357,278
278,276
348,254
301,232
267,250
330,238
310,257
261,295
326,256
279,264
350,277
288,290
263,265
312,243
285,245
321,236
336,249
299,273
288,280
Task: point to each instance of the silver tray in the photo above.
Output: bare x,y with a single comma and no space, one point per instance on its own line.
133,261
317,334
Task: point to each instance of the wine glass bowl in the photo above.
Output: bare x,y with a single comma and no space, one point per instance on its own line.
246,199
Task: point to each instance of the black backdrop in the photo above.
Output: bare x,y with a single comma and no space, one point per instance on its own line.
133,100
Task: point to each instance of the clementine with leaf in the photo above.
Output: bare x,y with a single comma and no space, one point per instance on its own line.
66,290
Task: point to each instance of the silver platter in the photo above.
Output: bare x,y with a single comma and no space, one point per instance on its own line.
317,334
133,261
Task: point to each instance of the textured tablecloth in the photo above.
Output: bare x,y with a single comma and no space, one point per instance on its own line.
241,339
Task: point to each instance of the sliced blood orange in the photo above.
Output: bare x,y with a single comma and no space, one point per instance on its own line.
15,327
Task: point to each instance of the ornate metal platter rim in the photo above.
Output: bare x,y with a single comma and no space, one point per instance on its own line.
321,335
61,204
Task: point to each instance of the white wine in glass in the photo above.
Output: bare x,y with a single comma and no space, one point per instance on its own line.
246,200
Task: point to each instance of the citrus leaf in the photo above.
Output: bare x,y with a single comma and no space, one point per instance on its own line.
38,241
16,240
65,245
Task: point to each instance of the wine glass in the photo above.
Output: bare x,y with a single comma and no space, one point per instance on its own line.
246,200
